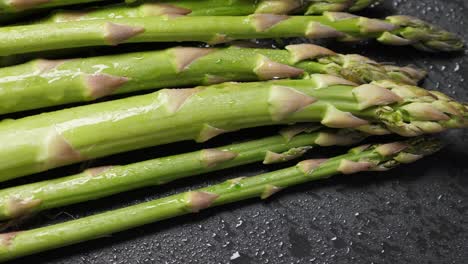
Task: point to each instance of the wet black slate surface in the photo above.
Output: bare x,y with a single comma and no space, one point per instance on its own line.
414,214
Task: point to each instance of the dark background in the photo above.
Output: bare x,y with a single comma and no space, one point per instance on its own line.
413,214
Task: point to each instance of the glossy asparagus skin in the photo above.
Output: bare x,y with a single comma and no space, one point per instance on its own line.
105,181
43,83
38,143
396,30
374,157
208,8
193,8
16,6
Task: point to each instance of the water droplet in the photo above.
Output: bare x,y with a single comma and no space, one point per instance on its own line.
235,255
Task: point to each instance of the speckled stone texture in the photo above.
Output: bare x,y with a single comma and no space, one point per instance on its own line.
414,214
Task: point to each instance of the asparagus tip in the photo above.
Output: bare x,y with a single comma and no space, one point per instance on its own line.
416,149
422,35
407,158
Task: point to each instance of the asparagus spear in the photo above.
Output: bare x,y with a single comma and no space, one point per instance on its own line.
198,8
375,157
43,83
395,30
208,8
283,6
105,181
15,6
38,143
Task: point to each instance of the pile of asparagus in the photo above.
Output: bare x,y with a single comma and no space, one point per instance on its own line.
322,97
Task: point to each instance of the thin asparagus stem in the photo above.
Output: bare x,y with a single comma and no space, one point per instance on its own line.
43,83
105,181
38,143
375,157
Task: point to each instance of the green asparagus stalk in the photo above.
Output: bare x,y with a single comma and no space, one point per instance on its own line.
396,30
43,83
105,181
15,6
277,6
197,8
38,143
209,8
375,157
